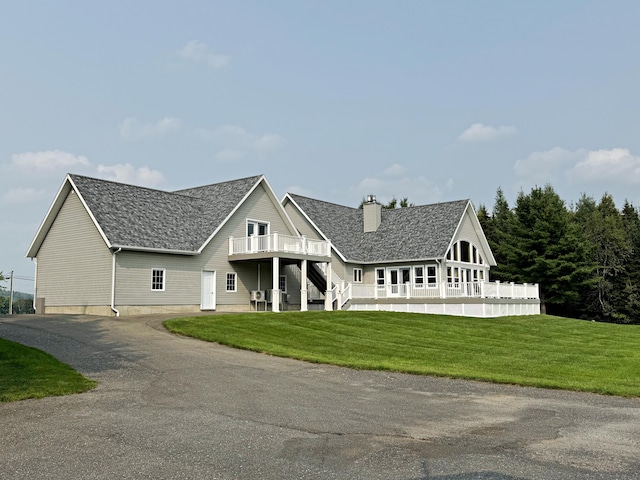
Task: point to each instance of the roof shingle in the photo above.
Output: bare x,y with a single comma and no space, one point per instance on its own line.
410,233
138,217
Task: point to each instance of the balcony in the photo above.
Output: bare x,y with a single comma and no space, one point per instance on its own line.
275,245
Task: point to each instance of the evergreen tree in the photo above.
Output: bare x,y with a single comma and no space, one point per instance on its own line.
609,248
500,239
629,303
547,249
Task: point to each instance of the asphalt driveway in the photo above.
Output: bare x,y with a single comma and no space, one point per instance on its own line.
169,407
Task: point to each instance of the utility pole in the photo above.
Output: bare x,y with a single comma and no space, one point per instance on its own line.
11,294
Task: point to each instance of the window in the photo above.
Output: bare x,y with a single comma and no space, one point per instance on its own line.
357,275
157,279
380,277
231,282
431,276
418,276
257,228
282,284
464,251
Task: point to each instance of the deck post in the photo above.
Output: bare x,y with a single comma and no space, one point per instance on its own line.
328,296
230,245
303,288
275,291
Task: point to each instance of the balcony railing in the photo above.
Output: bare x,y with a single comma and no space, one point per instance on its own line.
278,243
447,290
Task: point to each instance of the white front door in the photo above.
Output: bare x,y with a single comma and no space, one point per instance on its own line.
208,300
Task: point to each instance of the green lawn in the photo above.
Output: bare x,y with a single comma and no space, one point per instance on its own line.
540,350
26,372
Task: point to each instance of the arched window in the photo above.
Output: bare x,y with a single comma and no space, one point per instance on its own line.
465,252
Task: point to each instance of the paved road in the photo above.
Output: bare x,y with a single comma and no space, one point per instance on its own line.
169,407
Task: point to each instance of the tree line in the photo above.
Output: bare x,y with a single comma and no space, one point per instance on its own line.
584,256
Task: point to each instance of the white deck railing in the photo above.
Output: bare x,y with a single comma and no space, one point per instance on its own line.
278,243
448,290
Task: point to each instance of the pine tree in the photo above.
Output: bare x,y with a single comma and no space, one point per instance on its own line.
547,248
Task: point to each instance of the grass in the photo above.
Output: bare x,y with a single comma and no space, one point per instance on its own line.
540,350
27,372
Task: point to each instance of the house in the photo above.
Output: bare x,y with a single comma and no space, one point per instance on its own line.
109,248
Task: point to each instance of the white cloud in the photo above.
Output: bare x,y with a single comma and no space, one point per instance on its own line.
615,170
545,167
22,195
199,52
47,161
133,129
127,173
616,165
485,133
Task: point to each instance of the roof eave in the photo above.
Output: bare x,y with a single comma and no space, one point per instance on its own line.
133,248
320,232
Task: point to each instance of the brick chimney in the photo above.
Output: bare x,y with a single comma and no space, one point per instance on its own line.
372,214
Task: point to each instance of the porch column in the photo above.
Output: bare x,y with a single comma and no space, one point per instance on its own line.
303,287
275,292
328,297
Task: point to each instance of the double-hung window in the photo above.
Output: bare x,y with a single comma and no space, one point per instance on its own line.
431,276
231,282
418,276
380,277
357,275
157,279
282,284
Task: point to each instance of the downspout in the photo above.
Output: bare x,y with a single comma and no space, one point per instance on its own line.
35,283
113,282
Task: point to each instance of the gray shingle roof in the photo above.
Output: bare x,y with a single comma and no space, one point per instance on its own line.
141,217
410,233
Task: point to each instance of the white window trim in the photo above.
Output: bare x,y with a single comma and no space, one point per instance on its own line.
257,222
235,282
427,276
357,278
164,279
283,277
423,276
384,278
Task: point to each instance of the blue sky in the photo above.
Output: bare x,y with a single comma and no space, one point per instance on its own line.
433,100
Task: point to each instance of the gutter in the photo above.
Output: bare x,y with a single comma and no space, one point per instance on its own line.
113,282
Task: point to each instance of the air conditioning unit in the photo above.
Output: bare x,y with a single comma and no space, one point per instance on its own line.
257,295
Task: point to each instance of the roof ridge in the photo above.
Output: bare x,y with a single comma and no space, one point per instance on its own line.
250,177
323,201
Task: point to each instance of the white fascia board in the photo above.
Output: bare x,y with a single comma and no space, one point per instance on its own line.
154,250
478,228
402,260
480,232
278,205
287,197
52,213
47,221
93,219
235,209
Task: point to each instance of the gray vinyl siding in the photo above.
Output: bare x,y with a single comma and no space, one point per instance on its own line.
133,279
301,223
74,263
468,232
183,275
